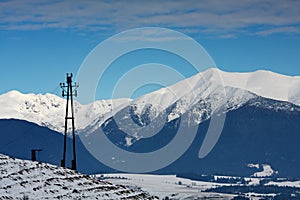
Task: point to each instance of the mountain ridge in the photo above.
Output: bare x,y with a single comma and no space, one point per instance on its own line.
48,109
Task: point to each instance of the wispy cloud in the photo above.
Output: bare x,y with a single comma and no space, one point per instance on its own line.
286,30
221,18
150,34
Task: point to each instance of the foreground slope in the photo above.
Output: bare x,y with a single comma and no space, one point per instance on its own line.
21,179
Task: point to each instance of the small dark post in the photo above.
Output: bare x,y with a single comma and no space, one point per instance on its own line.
33,154
69,93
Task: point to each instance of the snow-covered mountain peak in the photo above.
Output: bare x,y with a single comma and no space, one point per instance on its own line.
263,83
199,97
164,97
13,93
266,84
49,109
188,92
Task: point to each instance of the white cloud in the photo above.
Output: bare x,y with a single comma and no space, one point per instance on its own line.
288,29
150,34
215,17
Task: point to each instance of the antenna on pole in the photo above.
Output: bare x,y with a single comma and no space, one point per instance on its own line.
69,91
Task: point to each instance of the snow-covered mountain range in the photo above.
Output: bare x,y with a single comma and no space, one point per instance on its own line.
203,93
49,110
209,92
262,122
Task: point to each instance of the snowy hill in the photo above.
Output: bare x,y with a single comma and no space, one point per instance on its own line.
20,179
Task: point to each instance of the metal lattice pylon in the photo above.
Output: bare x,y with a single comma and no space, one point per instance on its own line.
69,91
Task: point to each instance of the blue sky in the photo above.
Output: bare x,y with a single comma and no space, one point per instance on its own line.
42,40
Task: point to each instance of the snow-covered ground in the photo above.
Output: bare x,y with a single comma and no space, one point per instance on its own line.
20,179
266,172
174,187
168,186
259,196
285,183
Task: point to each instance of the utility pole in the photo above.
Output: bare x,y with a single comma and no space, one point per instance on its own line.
69,91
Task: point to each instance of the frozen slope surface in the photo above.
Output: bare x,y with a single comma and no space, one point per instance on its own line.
20,179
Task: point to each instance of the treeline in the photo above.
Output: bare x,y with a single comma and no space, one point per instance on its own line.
281,192
211,178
